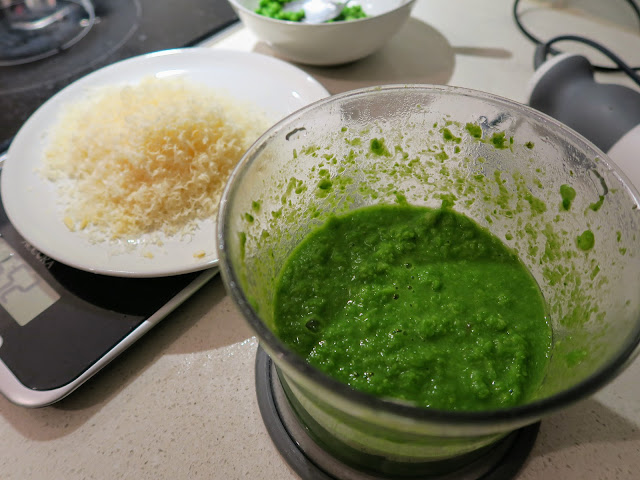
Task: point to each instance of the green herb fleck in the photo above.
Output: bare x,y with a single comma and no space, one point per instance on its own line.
442,156
537,205
596,206
450,137
568,194
400,198
378,147
448,200
474,130
325,184
242,237
586,240
498,140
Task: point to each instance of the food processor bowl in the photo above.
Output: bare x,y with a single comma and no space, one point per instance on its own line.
500,163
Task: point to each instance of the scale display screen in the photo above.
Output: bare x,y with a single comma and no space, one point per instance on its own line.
23,293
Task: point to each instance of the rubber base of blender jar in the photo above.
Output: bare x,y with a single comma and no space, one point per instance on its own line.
501,462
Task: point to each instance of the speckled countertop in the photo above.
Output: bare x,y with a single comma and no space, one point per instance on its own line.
181,402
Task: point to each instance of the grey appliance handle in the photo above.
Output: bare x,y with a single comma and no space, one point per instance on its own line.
564,88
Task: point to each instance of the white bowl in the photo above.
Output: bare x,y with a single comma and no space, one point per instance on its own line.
332,43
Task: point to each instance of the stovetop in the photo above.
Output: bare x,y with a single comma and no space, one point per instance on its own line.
123,29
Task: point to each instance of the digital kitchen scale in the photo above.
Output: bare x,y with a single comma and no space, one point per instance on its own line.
59,326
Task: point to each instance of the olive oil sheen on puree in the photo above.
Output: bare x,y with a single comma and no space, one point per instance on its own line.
417,304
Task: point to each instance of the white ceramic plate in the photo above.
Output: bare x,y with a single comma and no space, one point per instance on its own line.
30,201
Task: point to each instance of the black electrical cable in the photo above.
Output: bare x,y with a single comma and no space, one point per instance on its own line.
544,48
620,65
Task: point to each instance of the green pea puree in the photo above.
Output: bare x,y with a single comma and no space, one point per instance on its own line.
418,305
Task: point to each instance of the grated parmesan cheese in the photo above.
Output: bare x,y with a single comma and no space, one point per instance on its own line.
149,157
